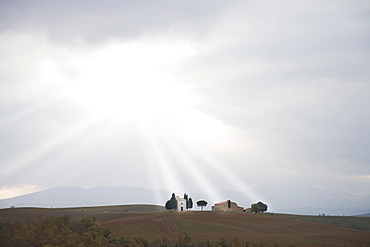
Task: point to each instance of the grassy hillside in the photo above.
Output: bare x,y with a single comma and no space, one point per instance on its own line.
257,229
351,222
25,215
154,222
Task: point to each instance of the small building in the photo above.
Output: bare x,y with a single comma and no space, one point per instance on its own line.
224,207
181,204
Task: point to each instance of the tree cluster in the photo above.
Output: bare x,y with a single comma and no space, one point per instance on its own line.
259,207
61,231
189,201
171,204
54,231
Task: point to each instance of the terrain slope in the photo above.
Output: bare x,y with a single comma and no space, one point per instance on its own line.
257,229
27,214
154,222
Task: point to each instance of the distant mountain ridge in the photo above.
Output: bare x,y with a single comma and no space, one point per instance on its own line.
279,198
363,215
76,196
310,200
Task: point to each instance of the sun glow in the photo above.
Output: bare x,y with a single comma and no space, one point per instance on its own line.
135,84
128,81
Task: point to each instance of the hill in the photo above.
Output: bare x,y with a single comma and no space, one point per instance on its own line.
77,197
27,214
279,198
256,229
363,215
153,222
292,199
351,222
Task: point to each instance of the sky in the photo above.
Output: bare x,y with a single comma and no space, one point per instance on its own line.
190,96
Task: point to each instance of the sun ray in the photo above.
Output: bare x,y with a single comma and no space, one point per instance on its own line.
108,140
201,128
237,183
129,81
36,152
190,166
28,110
158,163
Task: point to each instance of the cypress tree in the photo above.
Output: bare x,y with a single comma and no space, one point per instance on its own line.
187,200
173,201
190,203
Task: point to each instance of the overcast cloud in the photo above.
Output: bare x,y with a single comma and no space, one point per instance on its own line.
184,95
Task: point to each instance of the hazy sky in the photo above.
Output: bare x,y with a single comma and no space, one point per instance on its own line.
184,95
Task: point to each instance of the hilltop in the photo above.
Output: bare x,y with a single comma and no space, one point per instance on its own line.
27,214
279,198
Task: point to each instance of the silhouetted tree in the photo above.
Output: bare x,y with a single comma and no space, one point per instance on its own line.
168,205
202,203
172,203
190,203
229,204
187,200
263,207
255,208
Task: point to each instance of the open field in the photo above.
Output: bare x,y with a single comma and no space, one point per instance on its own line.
25,215
351,222
260,230
255,228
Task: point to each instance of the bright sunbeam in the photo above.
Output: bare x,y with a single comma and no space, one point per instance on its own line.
44,148
129,82
161,170
192,170
227,174
132,84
